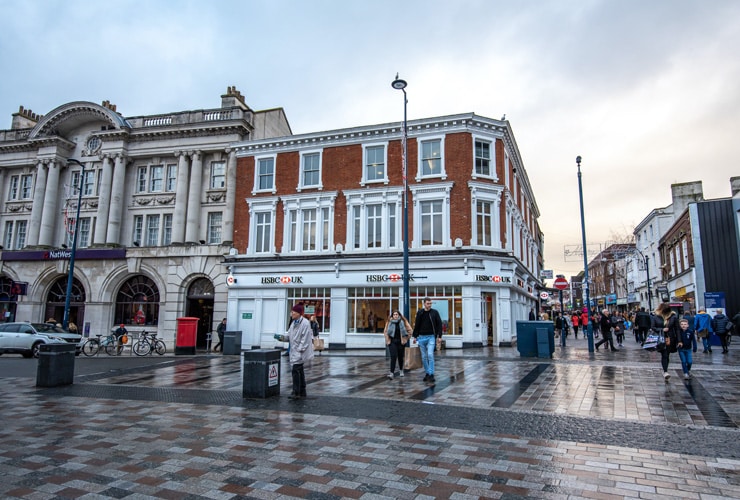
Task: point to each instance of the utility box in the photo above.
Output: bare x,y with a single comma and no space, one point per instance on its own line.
261,373
232,342
186,335
535,339
56,365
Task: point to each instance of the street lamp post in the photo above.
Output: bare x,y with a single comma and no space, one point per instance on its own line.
399,84
70,277
646,259
589,325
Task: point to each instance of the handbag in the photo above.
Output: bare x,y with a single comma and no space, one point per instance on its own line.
413,358
318,344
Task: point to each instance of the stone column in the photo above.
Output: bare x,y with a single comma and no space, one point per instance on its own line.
101,221
181,199
192,223
230,209
49,213
116,200
37,207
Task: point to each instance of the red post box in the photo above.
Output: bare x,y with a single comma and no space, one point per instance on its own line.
187,332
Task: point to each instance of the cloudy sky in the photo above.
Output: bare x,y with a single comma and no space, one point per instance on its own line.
646,91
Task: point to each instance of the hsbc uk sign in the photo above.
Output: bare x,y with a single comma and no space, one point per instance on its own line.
282,280
494,278
393,277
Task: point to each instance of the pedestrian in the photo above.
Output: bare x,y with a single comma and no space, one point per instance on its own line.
559,327
300,338
618,324
71,327
721,326
670,332
576,320
605,324
120,332
703,329
314,326
397,331
736,323
220,330
642,325
685,347
428,332
690,318
533,316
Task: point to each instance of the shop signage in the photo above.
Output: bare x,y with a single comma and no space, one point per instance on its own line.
281,280
393,277
65,254
544,295
494,278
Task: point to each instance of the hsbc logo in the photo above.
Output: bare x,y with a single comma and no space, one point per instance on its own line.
393,277
494,279
281,280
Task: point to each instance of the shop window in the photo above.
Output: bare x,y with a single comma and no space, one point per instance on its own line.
315,301
137,302
369,308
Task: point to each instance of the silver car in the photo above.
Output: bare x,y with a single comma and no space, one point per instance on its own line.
25,338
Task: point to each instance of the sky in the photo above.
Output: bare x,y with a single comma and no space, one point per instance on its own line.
647,92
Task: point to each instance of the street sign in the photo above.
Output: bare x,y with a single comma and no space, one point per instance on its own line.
560,283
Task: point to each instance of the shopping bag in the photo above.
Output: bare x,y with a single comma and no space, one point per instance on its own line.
318,344
652,341
412,359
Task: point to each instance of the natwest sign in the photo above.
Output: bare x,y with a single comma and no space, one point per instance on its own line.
281,280
495,278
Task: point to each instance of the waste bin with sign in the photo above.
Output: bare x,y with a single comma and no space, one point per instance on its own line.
185,337
261,373
535,339
56,365
232,342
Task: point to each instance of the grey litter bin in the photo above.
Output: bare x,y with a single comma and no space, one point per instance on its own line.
535,339
56,365
232,342
261,373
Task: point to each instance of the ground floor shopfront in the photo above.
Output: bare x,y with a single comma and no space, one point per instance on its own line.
479,302
144,289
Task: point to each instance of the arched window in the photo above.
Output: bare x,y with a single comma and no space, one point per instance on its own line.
137,302
200,289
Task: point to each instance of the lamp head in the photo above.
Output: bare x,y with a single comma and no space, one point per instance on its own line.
398,84
578,160
76,162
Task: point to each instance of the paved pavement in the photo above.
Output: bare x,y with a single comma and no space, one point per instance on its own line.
580,425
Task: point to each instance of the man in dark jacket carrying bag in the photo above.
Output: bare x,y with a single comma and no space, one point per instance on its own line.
721,326
428,332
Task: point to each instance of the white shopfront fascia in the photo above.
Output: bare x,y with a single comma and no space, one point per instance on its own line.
259,302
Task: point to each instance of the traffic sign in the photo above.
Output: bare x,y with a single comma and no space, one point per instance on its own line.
560,283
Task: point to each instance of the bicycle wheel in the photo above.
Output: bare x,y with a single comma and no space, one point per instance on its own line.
111,348
90,347
141,348
159,347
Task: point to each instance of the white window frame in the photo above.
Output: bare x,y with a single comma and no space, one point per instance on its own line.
365,163
14,187
171,178
302,173
142,179
419,166
152,228
491,160
215,228
218,175
138,230
431,192
261,206
8,235
166,229
481,191
21,231
26,187
358,200
295,208
257,174
153,178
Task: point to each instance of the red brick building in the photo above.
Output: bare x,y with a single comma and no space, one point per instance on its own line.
318,220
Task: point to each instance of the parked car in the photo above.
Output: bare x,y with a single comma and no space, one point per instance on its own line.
25,338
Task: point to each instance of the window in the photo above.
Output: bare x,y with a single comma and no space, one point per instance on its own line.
137,302
171,178
141,180
26,185
486,200
261,229
156,178
308,223
431,222
218,174
315,301
152,230
88,183
214,228
20,234
83,237
265,174
431,159
373,221
138,229
263,236
309,229
375,164
13,188
483,158
166,229
369,308
483,223
310,170
8,235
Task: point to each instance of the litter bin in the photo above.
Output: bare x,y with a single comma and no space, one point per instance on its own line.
56,365
187,332
232,342
535,339
261,373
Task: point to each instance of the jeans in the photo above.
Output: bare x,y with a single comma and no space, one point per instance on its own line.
706,344
686,359
427,343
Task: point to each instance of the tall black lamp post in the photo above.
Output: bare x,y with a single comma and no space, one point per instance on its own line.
70,277
589,326
646,259
399,84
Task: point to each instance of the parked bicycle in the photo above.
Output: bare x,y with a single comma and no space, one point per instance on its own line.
148,343
112,345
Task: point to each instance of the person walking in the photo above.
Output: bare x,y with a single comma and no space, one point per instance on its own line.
690,318
642,325
300,337
605,324
576,320
721,326
397,331
220,330
618,324
703,329
670,331
532,315
685,347
428,332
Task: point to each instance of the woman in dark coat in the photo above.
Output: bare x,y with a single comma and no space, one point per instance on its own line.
671,330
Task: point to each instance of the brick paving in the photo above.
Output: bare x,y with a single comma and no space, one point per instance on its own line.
581,425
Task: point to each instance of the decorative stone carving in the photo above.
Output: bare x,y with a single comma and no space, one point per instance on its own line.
143,201
216,197
165,200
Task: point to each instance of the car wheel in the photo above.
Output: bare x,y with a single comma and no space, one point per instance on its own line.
35,349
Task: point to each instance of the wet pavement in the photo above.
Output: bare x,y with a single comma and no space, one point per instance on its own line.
495,425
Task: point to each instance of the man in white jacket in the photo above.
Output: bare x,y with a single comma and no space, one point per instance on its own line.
300,337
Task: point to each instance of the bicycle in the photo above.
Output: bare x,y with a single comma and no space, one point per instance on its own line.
148,343
110,343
